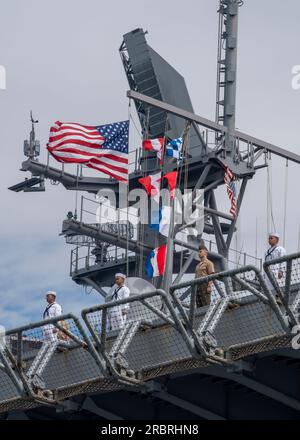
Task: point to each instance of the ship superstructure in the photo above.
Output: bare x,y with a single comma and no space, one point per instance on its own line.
168,349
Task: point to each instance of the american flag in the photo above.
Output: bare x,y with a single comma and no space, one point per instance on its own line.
103,148
231,190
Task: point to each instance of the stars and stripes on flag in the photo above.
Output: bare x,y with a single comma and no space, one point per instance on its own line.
102,147
156,262
231,190
174,148
155,145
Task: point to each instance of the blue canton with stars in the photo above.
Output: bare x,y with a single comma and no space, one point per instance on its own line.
116,136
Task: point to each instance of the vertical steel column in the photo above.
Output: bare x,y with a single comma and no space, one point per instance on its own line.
229,9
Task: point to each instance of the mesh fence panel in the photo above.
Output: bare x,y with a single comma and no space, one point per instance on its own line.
8,389
283,276
52,355
137,334
231,308
144,336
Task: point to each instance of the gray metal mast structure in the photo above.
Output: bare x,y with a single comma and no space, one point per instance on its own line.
176,344
164,108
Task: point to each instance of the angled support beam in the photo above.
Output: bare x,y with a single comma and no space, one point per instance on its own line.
201,179
249,383
213,185
203,143
256,386
217,213
213,125
188,406
198,185
258,155
185,267
189,116
217,227
91,406
95,286
69,181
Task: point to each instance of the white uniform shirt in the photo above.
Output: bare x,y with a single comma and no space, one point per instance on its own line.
116,316
271,254
51,311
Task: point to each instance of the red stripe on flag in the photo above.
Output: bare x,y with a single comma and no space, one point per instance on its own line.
161,259
108,165
115,176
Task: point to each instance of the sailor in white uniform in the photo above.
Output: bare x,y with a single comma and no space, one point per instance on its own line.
275,251
116,316
52,310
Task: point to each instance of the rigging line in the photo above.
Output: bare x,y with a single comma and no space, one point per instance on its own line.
286,183
161,165
238,221
185,152
127,208
144,173
256,238
130,117
187,148
76,193
270,199
138,154
184,162
239,255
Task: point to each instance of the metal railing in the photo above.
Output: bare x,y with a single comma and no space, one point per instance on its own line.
132,340
117,327
236,258
90,252
283,276
28,352
134,164
82,257
231,290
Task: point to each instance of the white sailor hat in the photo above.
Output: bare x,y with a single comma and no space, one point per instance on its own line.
274,234
51,292
120,275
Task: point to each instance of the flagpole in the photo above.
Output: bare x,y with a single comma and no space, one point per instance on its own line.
167,279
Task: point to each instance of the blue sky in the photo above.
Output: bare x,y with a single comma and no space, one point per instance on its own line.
62,61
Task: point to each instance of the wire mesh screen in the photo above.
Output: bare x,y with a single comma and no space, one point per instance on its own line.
51,355
226,315
136,334
283,277
229,309
8,389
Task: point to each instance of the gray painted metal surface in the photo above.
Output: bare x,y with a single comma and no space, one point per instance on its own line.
213,125
161,341
155,350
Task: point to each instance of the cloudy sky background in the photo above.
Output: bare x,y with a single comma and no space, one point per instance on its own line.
62,61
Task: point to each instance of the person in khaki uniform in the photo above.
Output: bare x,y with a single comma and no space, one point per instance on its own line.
204,268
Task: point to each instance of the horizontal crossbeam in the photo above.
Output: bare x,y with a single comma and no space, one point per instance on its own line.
260,144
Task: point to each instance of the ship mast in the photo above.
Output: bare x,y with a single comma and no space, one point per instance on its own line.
227,71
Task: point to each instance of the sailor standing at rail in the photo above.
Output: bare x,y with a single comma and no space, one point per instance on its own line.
52,310
274,251
48,347
116,316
